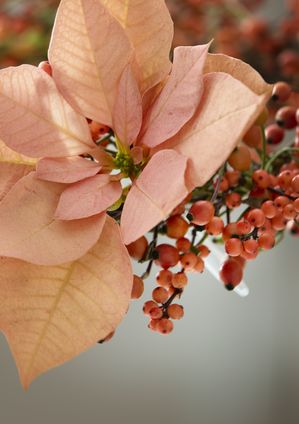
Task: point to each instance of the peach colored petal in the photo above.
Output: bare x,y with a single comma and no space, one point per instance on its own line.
155,193
66,170
10,174
88,53
179,98
103,158
226,112
51,314
239,70
127,114
30,232
149,27
88,197
35,120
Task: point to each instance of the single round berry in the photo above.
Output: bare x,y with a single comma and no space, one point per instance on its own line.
233,177
274,134
286,117
200,265
160,295
295,183
261,178
280,202
253,137
176,227
243,227
183,245
201,212
164,278
281,92
266,240
138,248
203,250
233,247
269,209
256,218
289,212
165,326
233,200
284,179
240,159
168,256
279,222
137,288
251,246
215,226
231,273
156,313
179,280
175,311
188,261
148,306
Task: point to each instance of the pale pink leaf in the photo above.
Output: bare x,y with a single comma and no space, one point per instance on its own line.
88,53
10,174
89,197
179,98
239,70
10,156
51,314
127,115
35,120
30,232
156,192
66,170
149,27
226,112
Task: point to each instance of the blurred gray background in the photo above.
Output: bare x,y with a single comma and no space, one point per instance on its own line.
229,361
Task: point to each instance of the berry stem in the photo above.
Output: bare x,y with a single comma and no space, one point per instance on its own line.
276,156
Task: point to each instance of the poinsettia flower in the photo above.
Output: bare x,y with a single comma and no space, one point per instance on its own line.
174,125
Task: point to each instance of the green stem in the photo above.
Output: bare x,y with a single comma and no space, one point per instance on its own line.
276,156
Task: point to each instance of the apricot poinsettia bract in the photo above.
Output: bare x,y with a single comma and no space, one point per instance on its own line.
66,279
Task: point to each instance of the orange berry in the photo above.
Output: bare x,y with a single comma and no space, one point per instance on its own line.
138,248
183,245
188,261
240,159
160,295
176,227
175,311
179,280
165,326
137,288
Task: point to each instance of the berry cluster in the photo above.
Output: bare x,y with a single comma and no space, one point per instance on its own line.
258,183
236,31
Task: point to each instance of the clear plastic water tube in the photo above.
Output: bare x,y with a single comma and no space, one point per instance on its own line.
213,263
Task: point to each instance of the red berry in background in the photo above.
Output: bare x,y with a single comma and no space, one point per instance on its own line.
229,230
183,245
165,326
138,248
243,227
266,240
148,306
231,273
233,247
269,209
188,261
279,222
168,256
295,183
280,202
179,280
160,295
233,200
261,178
240,159
289,212
253,137
204,251
200,265
137,288
286,117
251,246
176,227
164,278
175,311
274,134
256,218
296,205
215,226
281,91
233,177
156,313
201,212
